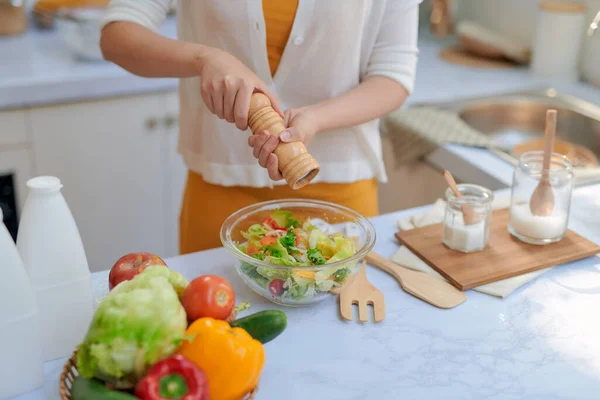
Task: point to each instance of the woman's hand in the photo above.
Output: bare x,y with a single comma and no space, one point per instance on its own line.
227,86
301,126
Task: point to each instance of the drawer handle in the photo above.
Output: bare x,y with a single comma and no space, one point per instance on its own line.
151,124
170,121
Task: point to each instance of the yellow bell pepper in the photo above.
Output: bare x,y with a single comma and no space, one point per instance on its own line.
231,359
305,274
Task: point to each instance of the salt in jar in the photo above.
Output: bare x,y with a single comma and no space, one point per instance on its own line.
523,224
472,237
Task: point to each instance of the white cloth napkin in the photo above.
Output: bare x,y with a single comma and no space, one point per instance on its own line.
407,259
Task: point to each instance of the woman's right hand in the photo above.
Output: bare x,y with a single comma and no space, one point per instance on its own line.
227,86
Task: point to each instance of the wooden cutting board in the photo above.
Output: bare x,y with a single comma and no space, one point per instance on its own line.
504,256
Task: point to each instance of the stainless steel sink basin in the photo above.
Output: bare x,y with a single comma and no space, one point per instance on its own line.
513,118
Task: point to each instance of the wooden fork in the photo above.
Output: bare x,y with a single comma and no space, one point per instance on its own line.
361,292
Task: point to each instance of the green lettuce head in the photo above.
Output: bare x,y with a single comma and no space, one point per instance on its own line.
137,324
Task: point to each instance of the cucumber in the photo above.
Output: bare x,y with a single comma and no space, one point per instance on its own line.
93,389
263,326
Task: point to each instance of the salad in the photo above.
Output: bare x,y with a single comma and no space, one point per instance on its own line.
283,240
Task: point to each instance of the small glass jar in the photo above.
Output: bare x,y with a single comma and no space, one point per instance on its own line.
456,234
522,223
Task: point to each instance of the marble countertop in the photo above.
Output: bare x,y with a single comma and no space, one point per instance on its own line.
540,343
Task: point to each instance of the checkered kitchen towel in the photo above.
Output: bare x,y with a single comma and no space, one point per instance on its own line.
417,131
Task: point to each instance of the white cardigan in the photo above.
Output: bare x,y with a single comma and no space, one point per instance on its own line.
333,45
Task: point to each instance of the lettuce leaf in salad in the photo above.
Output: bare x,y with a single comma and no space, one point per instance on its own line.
344,248
319,240
302,280
296,292
273,273
326,286
296,287
308,226
255,232
301,238
310,292
286,260
285,219
324,274
341,275
301,257
314,237
315,256
250,271
276,250
289,240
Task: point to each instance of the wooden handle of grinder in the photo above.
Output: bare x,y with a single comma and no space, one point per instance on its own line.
296,165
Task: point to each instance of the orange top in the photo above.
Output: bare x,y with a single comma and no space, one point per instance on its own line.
279,18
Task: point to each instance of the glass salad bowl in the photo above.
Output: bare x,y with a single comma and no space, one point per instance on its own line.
294,252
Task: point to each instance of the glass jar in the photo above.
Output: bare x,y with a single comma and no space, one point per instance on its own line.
462,237
535,229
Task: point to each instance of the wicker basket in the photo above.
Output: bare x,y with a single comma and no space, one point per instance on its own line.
70,372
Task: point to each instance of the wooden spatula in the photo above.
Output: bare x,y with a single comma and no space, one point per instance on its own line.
421,285
361,292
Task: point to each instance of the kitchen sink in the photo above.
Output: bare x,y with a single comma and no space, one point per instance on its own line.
513,118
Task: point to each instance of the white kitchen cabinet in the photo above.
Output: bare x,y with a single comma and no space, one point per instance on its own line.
13,128
110,156
174,174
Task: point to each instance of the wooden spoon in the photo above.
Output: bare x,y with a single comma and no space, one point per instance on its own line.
361,292
469,215
542,200
420,284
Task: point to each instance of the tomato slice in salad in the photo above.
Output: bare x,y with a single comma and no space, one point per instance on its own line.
251,250
267,240
274,225
298,237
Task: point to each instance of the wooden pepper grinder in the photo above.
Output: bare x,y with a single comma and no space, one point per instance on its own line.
295,164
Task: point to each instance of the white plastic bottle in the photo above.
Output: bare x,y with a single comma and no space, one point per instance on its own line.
55,260
21,367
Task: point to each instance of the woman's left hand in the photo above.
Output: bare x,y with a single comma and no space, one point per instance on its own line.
301,126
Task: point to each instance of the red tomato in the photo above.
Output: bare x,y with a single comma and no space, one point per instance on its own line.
271,222
208,296
251,250
267,240
276,287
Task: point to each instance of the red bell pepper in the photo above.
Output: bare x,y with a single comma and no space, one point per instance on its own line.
173,378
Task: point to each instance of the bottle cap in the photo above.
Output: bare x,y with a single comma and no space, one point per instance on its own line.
44,184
